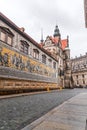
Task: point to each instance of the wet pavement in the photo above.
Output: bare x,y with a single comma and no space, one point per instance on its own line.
18,112
71,115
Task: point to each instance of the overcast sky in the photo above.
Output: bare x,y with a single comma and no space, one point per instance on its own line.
36,14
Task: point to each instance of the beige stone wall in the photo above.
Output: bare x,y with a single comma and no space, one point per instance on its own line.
80,80
10,84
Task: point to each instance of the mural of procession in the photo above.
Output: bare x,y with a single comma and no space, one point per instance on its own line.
10,58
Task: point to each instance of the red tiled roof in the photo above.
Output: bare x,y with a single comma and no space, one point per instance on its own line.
55,40
64,43
41,45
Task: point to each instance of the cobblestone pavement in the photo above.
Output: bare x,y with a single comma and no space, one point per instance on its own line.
17,112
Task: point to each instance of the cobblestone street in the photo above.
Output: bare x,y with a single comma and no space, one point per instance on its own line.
17,112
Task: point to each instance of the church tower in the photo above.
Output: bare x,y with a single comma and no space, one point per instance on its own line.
60,50
67,66
41,36
57,36
56,32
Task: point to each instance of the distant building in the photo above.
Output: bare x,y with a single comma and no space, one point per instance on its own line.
79,71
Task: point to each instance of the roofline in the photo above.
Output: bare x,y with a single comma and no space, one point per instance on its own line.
25,35
79,57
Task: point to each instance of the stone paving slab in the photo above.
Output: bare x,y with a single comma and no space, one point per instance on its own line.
71,115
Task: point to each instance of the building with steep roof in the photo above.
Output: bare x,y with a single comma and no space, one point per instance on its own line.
71,72
60,50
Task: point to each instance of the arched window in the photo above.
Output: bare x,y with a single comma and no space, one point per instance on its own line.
50,62
54,65
24,47
44,59
6,35
35,53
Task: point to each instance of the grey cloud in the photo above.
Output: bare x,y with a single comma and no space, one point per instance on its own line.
37,14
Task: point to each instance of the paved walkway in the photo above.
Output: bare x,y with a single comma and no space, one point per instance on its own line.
71,115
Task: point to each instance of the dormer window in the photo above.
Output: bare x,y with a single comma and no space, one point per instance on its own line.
6,35
35,53
24,47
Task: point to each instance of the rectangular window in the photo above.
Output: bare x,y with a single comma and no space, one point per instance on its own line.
54,65
3,36
44,59
50,62
83,81
35,53
24,47
77,82
82,75
9,40
6,35
77,76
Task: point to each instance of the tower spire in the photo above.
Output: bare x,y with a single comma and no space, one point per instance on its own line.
41,35
67,41
56,31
